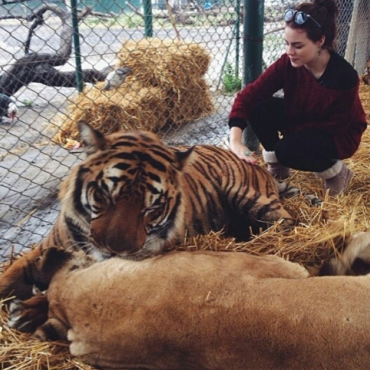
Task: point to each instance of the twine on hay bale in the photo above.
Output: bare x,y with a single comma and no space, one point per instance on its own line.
167,85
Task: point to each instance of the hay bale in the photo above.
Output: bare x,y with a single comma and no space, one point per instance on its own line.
190,102
164,62
178,68
130,106
166,86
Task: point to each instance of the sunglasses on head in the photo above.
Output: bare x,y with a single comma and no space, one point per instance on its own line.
299,17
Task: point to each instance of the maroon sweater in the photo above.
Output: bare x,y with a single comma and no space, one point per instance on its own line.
330,103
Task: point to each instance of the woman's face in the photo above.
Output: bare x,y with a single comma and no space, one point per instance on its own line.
300,49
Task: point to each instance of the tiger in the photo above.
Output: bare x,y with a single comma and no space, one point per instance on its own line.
134,196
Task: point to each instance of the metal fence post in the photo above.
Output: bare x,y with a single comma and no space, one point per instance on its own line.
148,18
237,37
76,41
253,20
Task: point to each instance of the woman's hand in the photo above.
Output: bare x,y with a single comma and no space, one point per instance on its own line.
240,150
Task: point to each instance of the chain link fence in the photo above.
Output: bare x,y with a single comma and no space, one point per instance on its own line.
39,64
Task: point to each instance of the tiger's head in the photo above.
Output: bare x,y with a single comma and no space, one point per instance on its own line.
127,194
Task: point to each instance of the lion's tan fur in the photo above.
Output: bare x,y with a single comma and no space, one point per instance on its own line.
211,310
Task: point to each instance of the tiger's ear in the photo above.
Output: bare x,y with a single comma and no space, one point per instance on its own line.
92,139
184,157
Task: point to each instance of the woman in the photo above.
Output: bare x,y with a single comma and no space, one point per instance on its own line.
320,120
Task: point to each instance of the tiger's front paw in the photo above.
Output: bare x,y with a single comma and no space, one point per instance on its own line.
27,316
17,279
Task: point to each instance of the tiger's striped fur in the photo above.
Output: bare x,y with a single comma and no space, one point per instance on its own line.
134,196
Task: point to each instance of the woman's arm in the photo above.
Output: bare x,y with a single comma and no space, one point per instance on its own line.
240,150
253,95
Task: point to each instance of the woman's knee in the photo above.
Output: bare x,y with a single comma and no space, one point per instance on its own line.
291,154
284,152
301,151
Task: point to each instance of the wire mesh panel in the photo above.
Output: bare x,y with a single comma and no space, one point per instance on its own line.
354,32
172,67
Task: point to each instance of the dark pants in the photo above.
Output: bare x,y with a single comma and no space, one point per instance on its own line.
311,150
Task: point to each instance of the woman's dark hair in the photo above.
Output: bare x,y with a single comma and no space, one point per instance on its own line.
325,13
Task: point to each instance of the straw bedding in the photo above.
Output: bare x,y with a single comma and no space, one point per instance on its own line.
314,238
166,86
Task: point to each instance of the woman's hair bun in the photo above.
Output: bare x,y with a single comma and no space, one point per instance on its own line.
329,5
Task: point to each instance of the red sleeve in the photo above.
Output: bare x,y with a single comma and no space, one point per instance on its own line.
260,91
